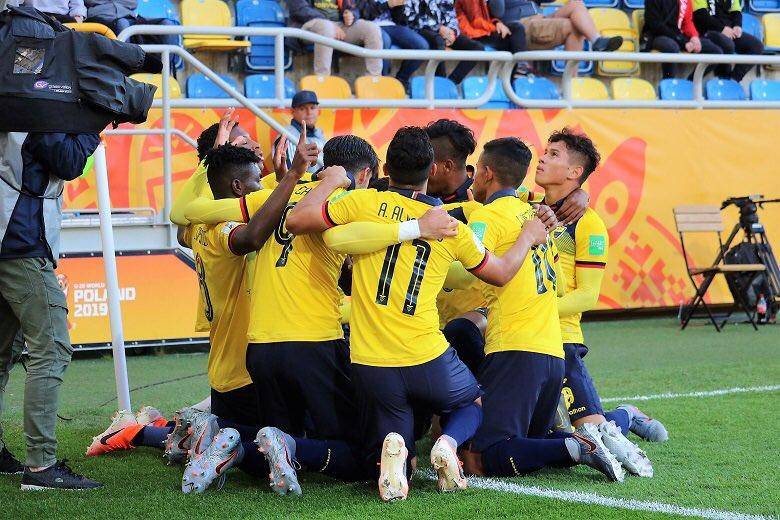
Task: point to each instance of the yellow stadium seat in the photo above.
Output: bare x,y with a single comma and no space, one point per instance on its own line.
92,27
771,23
213,13
638,21
588,89
632,89
327,87
156,80
379,87
614,22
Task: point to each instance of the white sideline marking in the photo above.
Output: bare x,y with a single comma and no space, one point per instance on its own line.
621,503
709,393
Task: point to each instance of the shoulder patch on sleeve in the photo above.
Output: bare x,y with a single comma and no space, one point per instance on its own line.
597,245
479,229
229,226
340,196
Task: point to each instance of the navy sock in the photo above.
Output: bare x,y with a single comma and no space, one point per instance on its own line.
333,458
516,456
462,424
621,418
253,461
247,433
152,436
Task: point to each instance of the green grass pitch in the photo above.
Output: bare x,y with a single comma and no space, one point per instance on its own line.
722,454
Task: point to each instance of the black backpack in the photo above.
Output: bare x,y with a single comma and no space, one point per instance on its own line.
740,284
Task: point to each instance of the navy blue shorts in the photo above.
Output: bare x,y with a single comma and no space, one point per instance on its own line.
391,399
521,395
580,393
304,387
465,337
238,406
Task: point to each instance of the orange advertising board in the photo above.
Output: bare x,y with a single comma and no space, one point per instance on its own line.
158,294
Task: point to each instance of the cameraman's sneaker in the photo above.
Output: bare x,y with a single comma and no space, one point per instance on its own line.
272,444
393,484
203,429
118,436
626,452
177,444
223,452
586,447
58,476
449,468
8,463
646,427
149,415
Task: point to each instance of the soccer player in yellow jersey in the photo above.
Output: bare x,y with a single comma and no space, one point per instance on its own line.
401,362
523,370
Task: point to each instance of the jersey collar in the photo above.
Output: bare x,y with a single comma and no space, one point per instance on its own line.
461,194
508,192
416,195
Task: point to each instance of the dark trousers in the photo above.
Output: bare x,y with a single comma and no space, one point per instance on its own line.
405,38
745,44
515,42
669,45
461,43
121,24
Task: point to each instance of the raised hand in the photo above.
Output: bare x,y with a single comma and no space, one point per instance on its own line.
546,215
305,154
436,224
280,157
226,124
535,231
335,176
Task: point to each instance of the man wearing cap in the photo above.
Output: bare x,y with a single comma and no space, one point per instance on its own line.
305,107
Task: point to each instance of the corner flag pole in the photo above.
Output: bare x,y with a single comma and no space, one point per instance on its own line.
112,281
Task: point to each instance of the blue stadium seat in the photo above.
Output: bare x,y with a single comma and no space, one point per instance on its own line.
751,24
764,6
549,10
154,9
533,87
443,88
601,3
261,13
475,86
675,89
633,4
585,68
199,86
765,90
723,90
263,86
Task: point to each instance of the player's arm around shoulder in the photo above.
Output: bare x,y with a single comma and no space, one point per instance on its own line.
311,214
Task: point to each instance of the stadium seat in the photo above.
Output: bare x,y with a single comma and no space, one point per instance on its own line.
634,4
214,13
443,88
765,90
771,23
533,87
549,10
764,6
638,21
634,89
614,22
379,87
601,3
585,68
98,28
263,86
475,86
155,9
199,86
588,89
156,80
327,87
723,90
261,13
676,89
751,24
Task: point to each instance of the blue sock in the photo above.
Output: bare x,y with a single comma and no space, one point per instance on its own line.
333,458
253,461
461,424
621,418
516,456
151,436
247,433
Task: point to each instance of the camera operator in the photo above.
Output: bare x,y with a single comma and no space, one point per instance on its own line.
33,171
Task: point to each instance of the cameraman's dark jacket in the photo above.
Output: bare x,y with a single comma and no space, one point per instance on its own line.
33,171
53,79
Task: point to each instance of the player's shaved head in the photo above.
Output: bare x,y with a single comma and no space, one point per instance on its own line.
351,152
409,157
508,158
232,171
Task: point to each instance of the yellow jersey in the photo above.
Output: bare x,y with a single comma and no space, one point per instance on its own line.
222,277
295,294
522,315
394,321
269,181
582,245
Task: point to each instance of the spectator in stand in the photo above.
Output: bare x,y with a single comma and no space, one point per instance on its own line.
339,20
435,20
721,22
389,15
120,14
476,22
305,108
66,11
669,28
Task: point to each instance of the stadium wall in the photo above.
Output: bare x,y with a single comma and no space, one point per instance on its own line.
652,160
